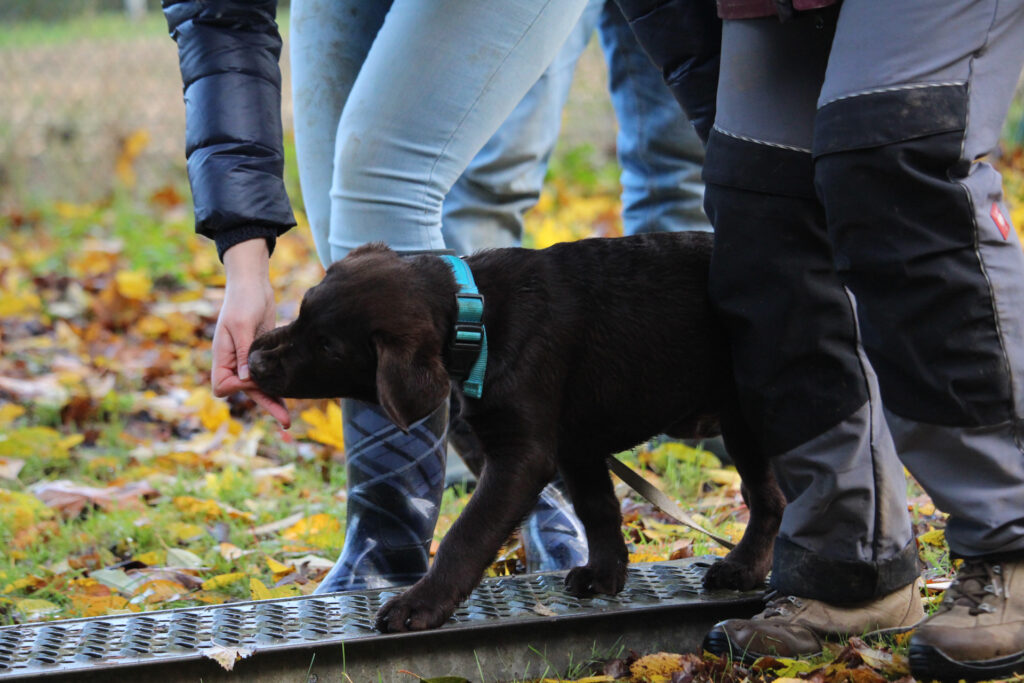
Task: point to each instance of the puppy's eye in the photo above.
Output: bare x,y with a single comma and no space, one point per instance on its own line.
323,343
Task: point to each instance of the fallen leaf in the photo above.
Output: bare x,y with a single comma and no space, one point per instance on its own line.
178,557
321,530
10,467
280,525
259,591
934,537
226,656
70,498
158,590
222,580
35,608
116,579
325,426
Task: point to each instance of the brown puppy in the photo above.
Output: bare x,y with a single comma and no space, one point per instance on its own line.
594,347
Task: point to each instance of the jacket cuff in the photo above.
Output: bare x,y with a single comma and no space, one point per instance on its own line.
229,238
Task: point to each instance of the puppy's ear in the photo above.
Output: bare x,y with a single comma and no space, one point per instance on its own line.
411,383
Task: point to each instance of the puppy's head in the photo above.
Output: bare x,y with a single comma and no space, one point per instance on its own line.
370,330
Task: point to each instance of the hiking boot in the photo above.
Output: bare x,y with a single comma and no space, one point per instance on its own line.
978,630
790,626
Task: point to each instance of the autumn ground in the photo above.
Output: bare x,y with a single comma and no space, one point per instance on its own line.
126,486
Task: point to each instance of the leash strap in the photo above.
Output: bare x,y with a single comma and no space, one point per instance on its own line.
660,500
468,346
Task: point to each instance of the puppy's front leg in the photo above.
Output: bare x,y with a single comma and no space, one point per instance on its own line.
508,489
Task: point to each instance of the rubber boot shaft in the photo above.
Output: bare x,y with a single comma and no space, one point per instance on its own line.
395,482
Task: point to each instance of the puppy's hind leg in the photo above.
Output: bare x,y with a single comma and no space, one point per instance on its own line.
746,565
593,497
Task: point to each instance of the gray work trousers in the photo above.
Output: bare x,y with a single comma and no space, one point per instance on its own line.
864,256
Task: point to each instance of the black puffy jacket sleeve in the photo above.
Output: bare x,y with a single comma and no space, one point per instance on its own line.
684,39
228,51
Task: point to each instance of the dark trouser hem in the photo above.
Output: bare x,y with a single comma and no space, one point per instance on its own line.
800,572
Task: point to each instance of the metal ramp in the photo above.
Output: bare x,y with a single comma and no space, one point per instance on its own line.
510,629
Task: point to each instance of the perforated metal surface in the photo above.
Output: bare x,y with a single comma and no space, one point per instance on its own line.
179,635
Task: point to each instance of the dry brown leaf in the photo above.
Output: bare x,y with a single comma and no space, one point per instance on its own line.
70,498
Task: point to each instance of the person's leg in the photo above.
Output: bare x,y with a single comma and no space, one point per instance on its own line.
484,208
386,190
923,238
658,149
394,480
806,387
437,83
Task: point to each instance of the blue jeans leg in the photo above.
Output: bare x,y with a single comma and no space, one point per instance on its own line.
484,208
435,82
659,151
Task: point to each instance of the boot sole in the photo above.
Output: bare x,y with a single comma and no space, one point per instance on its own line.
930,663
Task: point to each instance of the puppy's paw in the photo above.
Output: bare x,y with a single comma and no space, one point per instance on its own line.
590,579
731,575
413,611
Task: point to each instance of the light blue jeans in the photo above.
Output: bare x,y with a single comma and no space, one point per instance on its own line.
393,99
659,151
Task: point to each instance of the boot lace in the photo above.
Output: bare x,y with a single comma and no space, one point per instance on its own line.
780,605
976,586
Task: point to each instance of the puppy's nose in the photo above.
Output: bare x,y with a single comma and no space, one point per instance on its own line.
257,361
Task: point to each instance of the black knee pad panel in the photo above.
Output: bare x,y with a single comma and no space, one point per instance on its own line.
773,281
903,228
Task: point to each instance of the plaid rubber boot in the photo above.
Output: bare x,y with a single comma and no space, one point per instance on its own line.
395,482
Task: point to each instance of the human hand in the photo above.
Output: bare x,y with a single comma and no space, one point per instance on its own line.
248,310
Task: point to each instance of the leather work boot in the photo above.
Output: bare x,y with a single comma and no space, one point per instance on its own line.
790,626
978,630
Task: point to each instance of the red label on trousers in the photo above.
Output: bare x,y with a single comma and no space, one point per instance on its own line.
1000,219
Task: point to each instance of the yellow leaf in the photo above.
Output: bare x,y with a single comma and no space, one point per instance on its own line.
34,608
151,558
259,591
725,477
926,509
278,567
321,530
160,590
131,147
9,412
19,511
325,427
196,507
183,533
645,557
133,284
222,580
151,326
24,582
935,537
100,605
70,441
660,664
19,303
